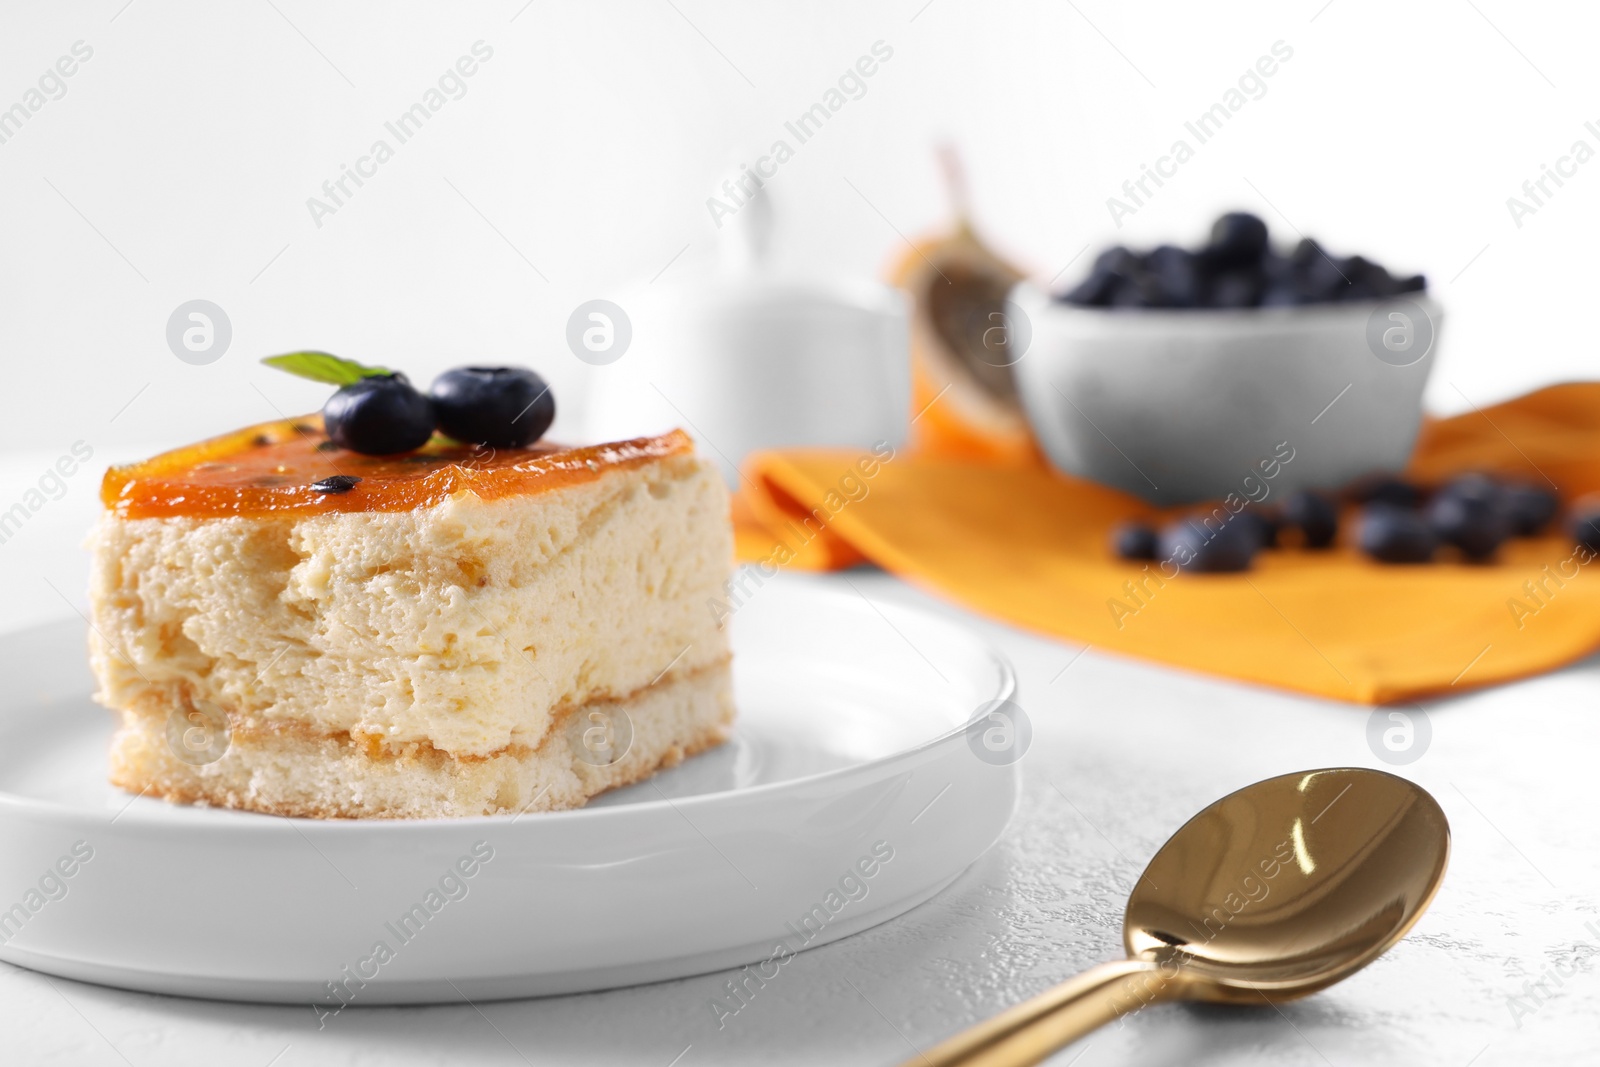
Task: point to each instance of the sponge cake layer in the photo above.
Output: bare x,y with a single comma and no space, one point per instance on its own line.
465,628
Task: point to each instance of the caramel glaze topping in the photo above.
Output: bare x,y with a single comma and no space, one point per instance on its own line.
290,468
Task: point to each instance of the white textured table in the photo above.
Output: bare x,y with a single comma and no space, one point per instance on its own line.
1123,753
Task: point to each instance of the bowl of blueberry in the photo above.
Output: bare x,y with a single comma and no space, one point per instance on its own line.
1174,373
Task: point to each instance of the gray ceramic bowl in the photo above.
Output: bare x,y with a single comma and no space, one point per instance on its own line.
1182,406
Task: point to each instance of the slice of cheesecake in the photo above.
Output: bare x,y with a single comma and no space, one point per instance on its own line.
292,628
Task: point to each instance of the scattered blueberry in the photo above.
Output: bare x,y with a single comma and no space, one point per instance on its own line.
1194,545
1586,528
1399,522
378,416
1471,521
1472,486
338,483
1381,488
1392,534
1314,515
1262,523
504,407
1134,540
1528,507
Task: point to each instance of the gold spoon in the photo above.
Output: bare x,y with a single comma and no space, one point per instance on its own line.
1271,893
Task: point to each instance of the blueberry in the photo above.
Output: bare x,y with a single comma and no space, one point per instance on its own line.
1115,260
1134,540
1237,239
1096,290
1318,277
1305,253
1282,295
1473,522
1585,528
1528,507
1314,515
1147,289
1366,280
1177,275
1472,486
1137,290
503,407
1323,281
1167,257
1383,488
378,416
1236,289
1196,545
1392,534
1263,524
1279,282
1276,267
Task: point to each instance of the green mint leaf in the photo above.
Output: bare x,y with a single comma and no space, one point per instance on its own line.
323,367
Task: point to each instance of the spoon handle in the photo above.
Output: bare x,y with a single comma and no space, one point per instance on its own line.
1032,1030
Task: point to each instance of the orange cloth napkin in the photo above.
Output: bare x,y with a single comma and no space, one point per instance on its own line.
1030,546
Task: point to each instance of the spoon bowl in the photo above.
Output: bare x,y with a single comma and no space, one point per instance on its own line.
1271,893
1290,884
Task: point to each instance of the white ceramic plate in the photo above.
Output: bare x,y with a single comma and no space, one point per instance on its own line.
852,755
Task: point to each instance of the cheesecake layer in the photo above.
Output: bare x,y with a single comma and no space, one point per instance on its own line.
294,772
464,628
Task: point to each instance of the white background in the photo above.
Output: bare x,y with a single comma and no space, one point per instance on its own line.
193,137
